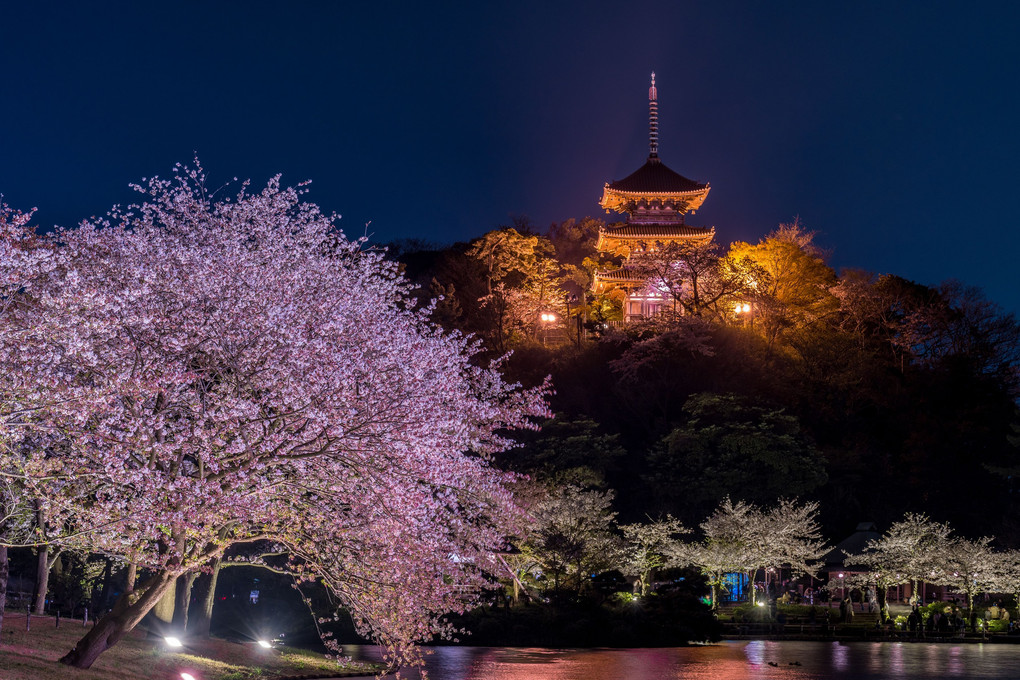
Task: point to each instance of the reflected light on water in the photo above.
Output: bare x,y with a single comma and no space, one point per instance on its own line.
840,656
896,658
756,660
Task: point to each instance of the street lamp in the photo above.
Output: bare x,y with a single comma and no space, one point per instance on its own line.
744,310
547,318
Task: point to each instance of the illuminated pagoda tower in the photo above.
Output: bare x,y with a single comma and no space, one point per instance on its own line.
656,201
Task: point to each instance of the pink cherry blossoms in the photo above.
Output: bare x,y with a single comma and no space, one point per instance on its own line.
196,371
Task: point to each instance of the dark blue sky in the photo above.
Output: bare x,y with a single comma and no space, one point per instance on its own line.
891,128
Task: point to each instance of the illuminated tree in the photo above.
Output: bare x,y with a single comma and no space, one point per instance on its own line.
693,276
912,550
788,279
969,566
726,548
1007,575
652,546
224,370
522,281
746,538
573,534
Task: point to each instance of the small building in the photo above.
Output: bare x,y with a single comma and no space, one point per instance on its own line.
656,201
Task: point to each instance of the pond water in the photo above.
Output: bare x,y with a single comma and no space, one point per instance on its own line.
744,660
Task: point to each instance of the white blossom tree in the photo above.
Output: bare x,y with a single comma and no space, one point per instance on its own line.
572,534
912,550
970,567
1007,575
219,370
725,547
744,537
652,546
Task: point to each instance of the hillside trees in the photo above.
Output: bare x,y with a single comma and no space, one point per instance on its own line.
694,277
522,281
787,278
732,447
220,370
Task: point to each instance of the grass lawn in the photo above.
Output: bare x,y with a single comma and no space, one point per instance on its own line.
33,656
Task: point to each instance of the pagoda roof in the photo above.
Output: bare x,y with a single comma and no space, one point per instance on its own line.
621,274
623,277
655,178
647,231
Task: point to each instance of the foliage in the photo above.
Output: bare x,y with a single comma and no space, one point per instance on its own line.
789,280
567,451
522,282
730,447
912,550
573,535
692,275
651,547
201,371
746,538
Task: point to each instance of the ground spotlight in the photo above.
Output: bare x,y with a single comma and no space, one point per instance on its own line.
187,676
173,642
265,645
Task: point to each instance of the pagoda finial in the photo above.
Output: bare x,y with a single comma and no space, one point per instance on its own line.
653,120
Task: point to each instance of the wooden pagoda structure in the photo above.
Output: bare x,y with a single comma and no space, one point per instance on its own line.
656,201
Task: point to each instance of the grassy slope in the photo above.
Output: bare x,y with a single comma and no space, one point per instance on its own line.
33,656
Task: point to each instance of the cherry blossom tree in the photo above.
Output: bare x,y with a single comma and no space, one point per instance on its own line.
214,370
744,537
912,550
653,546
572,533
725,548
970,566
1007,575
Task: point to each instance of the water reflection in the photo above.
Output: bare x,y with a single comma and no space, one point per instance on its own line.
726,661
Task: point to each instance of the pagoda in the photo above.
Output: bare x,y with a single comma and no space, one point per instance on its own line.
656,200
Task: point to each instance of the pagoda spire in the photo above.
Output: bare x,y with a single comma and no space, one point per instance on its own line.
653,120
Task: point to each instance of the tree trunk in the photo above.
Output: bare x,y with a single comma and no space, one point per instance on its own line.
104,594
207,599
3,583
42,571
883,603
132,574
163,610
183,601
129,610
42,581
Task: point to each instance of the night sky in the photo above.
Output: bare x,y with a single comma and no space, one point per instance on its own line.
891,128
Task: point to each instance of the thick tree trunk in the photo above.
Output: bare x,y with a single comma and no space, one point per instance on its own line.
207,599
163,610
42,581
129,610
3,583
183,601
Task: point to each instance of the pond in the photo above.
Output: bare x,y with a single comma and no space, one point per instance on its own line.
744,660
